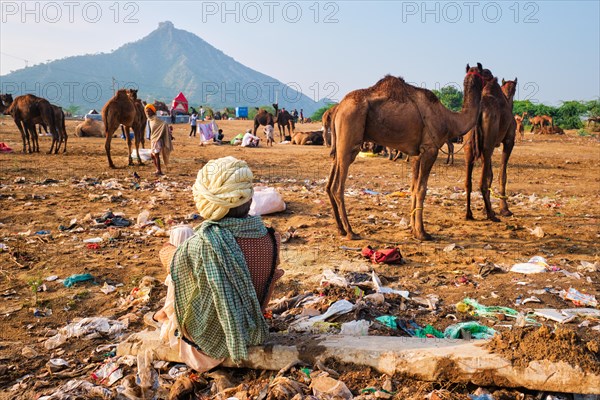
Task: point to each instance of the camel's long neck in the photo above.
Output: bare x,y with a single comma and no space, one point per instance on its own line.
463,121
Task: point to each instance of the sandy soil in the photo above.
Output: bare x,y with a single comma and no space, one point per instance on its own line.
553,183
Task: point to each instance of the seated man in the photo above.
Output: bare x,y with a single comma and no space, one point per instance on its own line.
222,276
249,140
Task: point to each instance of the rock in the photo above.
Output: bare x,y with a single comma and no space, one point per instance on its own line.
29,352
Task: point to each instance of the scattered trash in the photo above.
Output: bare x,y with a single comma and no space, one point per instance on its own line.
57,364
535,265
106,288
266,200
331,278
83,327
108,373
43,232
110,219
29,352
51,278
327,388
472,307
73,279
428,332
578,298
388,320
93,240
537,232
39,313
385,256
475,330
449,248
355,328
385,290
143,218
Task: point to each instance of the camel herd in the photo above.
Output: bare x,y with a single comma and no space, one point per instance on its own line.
391,114
28,111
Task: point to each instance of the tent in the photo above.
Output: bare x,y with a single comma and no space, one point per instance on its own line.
180,104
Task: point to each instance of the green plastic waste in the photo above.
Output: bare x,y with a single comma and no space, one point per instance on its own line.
472,307
427,332
73,279
388,320
477,330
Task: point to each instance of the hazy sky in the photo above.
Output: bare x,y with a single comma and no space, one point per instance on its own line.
330,48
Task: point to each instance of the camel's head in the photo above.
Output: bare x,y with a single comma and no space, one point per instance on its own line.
6,99
509,88
474,78
132,93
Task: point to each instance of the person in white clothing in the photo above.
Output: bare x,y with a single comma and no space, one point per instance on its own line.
249,140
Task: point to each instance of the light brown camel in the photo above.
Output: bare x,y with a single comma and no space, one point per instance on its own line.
27,111
547,120
90,128
120,110
496,126
395,114
314,138
284,120
520,128
536,121
326,120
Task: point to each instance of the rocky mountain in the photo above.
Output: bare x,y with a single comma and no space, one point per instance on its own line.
160,65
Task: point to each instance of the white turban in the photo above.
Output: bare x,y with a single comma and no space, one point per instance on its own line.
221,185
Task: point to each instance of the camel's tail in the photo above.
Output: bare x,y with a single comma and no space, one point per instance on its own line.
333,136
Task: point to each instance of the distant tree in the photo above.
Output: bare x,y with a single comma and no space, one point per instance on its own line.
318,115
569,114
593,108
73,109
252,111
450,97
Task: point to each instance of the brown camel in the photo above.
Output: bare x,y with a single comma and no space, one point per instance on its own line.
284,120
90,128
327,118
59,118
496,126
395,114
520,129
263,117
121,109
160,106
139,126
27,111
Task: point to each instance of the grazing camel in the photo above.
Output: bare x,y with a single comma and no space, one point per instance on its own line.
411,119
326,119
27,111
120,110
520,129
547,120
496,126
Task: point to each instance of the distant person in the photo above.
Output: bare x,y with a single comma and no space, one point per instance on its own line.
160,139
219,137
295,115
202,111
270,133
193,124
301,115
249,140
172,115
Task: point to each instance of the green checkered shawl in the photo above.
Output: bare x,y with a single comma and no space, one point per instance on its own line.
215,301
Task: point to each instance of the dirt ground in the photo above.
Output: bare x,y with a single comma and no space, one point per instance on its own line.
553,184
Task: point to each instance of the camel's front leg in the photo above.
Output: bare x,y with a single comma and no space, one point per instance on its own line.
427,159
487,176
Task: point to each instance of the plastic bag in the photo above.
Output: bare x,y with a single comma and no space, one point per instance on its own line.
266,200
145,154
477,330
356,328
180,234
